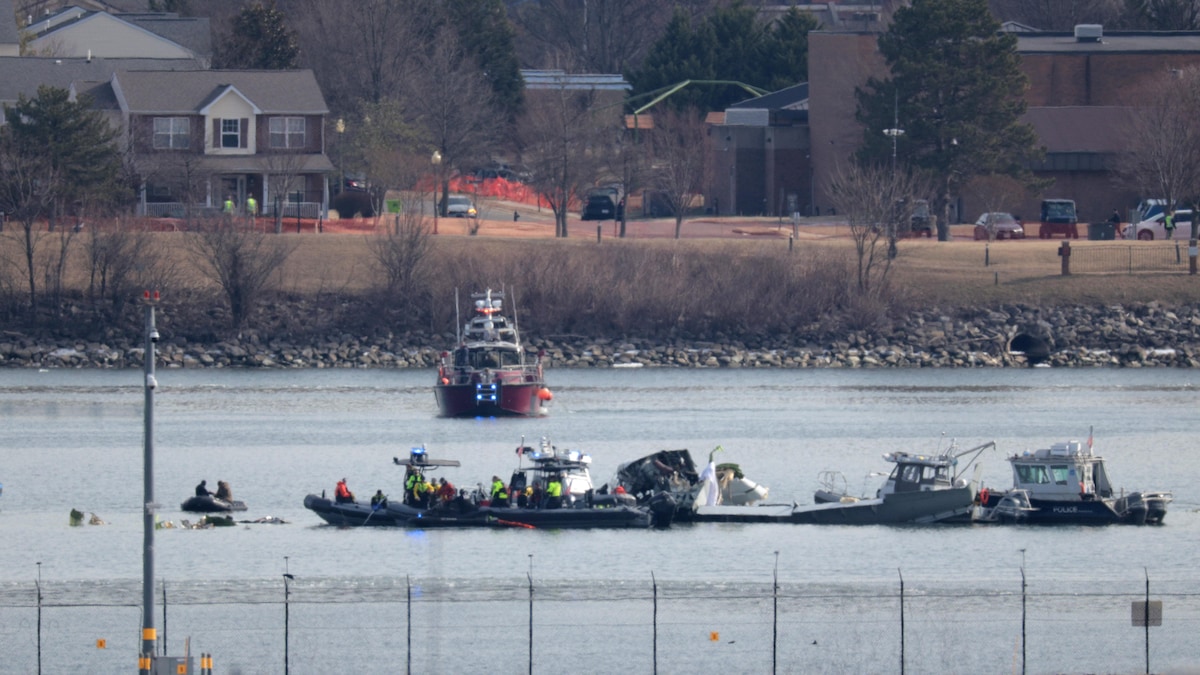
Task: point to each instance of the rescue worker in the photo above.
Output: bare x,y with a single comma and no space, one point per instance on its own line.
410,486
425,493
446,491
202,489
378,500
554,493
251,206
499,493
343,495
229,204
223,491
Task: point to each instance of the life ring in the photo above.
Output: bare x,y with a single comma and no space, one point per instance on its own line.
983,496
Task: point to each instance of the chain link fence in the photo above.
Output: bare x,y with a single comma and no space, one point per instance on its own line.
933,623
1132,258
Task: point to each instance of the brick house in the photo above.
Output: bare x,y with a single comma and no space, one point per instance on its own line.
200,137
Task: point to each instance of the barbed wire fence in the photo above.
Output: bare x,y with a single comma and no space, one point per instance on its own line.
1068,622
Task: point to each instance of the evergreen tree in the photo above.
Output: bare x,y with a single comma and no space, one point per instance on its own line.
956,89
785,59
485,33
261,40
74,140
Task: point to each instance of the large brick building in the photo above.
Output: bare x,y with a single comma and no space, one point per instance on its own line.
1082,92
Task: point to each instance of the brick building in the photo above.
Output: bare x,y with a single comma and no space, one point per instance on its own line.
1083,88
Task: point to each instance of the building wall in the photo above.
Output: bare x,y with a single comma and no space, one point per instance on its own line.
838,63
759,170
1096,79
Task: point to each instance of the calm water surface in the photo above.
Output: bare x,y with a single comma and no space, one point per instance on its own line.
73,439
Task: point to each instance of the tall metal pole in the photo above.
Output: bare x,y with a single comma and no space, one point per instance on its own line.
901,621
408,627
775,617
1146,618
287,592
149,635
39,618
1022,615
530,614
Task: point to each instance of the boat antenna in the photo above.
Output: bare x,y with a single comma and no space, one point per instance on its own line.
516,328
457,320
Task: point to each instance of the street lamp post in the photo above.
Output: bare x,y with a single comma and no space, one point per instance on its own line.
341,129
436,160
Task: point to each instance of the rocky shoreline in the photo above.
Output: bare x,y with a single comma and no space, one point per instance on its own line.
1144,335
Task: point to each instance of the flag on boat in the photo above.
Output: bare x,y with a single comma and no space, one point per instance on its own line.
1090,430
711,491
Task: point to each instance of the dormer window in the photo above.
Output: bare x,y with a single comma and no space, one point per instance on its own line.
231,133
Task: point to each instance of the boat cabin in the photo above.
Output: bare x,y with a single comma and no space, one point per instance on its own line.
918,473
549,461
1064,471
479,358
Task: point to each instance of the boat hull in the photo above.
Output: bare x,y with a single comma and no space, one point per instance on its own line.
475,400
897,508
1135,509
211,505
469,515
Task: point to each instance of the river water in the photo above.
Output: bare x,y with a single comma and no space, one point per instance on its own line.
73,439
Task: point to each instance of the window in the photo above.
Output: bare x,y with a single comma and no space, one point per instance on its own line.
172,133
287,132
231,133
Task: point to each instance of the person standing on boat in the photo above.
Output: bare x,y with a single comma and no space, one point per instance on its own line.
554,493
499,493
411,482
343,495
202,489
223,491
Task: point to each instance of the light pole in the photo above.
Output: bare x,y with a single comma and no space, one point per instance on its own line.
436,160
340,127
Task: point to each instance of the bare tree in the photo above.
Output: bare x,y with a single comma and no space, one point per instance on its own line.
283,176
360,49
599,36
679,146
26,195
876,201
561,140
401,254
451,102
123,259
239,260
1164,141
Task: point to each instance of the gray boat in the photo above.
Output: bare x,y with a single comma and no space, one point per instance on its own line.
919,489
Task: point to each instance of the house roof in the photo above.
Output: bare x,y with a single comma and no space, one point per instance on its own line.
187,31
1096,129
74,31
272,91
24,74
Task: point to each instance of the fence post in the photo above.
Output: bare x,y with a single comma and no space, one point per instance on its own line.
1064,252
654,585
1193,251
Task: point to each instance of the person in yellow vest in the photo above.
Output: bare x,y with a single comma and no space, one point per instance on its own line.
499,493
229,204
554,493
251,206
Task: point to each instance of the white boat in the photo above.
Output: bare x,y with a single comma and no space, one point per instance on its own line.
1067,483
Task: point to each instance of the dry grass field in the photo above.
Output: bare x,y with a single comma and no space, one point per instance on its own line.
925,273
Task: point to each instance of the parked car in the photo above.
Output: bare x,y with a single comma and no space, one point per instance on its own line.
460,206
1152,228
604,204
1004,225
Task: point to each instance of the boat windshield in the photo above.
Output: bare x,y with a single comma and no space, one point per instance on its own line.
486,358
1032,473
